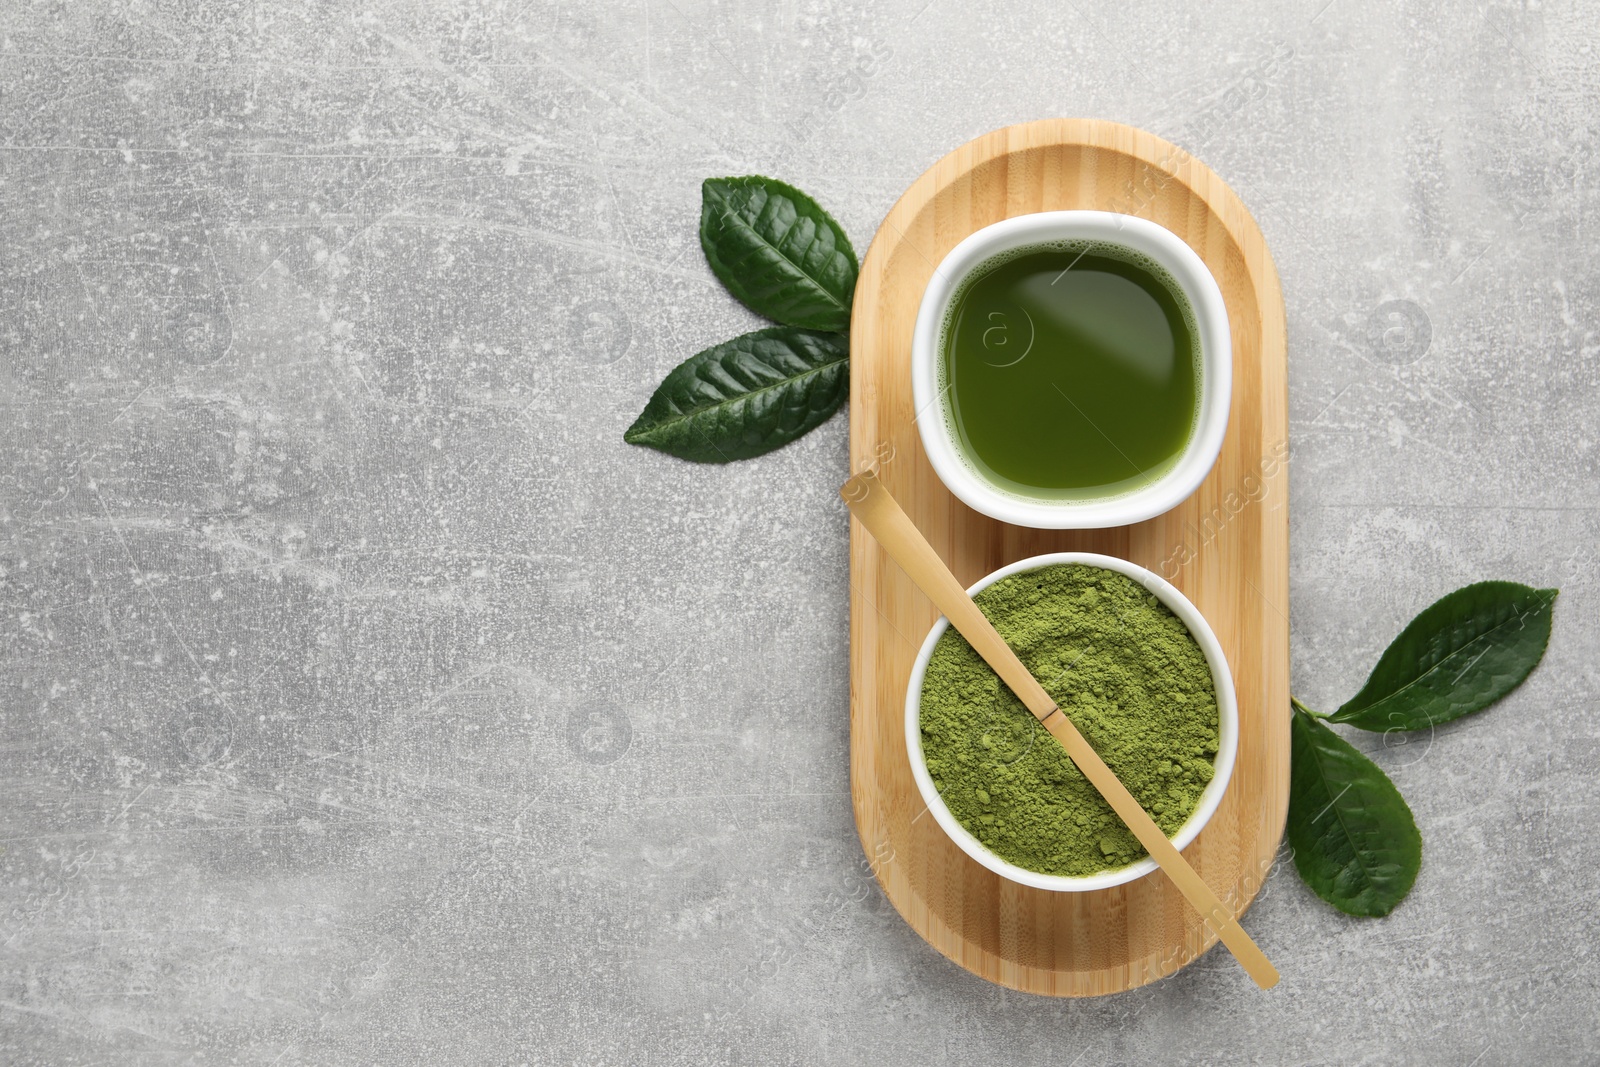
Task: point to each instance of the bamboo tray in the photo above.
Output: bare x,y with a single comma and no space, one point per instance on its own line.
1226,547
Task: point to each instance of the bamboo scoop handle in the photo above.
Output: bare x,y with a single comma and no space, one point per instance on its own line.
877,510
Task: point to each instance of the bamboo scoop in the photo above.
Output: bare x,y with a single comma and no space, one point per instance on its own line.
877,510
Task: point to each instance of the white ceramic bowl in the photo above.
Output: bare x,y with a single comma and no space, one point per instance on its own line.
1227,721
1197,286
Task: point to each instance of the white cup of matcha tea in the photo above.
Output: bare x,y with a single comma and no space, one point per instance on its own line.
1072,370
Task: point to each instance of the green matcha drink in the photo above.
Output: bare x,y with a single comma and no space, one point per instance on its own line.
1070,372
1130,676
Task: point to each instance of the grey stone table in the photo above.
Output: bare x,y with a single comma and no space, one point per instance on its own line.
364,699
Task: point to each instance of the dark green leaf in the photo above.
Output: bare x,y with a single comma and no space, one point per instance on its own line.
778,251
746,396
1460,655
1355,842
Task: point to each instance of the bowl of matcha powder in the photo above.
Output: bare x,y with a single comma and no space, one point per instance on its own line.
1135,667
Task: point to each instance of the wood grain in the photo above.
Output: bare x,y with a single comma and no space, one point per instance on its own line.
1226,548
891,527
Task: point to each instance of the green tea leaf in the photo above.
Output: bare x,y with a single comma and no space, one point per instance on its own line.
778,251
1355,842
1460,655
746,396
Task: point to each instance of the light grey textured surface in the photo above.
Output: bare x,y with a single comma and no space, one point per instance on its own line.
364,699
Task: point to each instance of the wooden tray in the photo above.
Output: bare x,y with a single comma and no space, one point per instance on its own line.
1226,547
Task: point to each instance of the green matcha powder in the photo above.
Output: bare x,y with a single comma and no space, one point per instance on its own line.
1128,674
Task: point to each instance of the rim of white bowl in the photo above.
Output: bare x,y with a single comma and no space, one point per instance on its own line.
1227,721
1199,288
